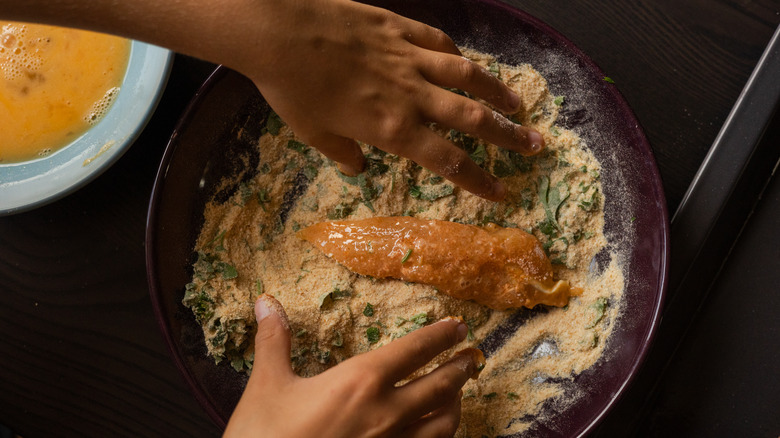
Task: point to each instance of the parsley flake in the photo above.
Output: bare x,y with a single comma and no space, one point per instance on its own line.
406,256
373,335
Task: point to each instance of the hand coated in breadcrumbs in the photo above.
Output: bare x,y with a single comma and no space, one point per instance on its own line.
498,267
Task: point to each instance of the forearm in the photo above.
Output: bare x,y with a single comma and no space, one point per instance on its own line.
201,28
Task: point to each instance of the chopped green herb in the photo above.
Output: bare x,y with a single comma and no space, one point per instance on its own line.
464,141
244,192
479,155
551,199
351,180
633,218
554,131
609,79
494,68
429,192
512,396
527,199
334,295
376,167
406,256
297,146
415,322
200,302
373,335
459,92
420,318
301,333
490,396
590,203
503,169
367,190
263,197
274,123
559,260
521,163
322,356
559,100
228,271
237,364
204,266
368,310
340,211
535,117
548,228
599,308
310,172
512,163
338,339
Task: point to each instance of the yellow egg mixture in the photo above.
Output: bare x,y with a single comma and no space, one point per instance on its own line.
55,83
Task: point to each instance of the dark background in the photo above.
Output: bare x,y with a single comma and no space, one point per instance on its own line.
81,353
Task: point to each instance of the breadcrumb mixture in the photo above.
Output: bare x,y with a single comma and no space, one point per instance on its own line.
248,246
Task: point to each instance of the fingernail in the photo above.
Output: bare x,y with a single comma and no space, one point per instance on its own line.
262,310
537,142
476,358
513,101
350,170
463,331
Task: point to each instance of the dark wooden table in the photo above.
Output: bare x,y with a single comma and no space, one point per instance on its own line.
80,351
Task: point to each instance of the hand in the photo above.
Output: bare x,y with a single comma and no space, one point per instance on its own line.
357,398
338,71
335,70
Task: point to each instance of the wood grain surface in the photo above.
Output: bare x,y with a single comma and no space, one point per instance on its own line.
80,351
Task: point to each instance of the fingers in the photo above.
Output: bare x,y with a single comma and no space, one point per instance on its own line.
441,157
473,118
426,394
402,357
461,73
442,422
272,341
344,151
430,38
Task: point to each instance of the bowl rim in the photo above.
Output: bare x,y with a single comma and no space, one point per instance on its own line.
152,216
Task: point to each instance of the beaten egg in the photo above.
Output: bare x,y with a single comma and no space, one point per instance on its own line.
54,84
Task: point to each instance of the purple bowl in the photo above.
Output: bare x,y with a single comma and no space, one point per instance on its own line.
205,143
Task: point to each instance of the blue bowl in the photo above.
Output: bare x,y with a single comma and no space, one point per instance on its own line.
33,183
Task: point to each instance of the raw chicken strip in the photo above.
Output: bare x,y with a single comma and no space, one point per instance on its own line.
498,267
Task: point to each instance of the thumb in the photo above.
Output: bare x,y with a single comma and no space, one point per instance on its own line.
272,341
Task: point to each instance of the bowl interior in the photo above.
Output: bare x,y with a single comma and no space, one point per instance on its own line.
205,145
33,183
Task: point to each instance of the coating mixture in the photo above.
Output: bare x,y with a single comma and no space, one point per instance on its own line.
249,246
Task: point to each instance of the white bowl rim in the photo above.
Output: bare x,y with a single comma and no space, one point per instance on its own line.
34,183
